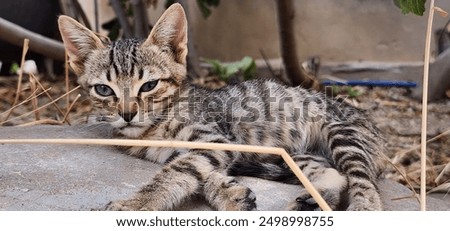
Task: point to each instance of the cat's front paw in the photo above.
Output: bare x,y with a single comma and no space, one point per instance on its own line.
242,199
225,193
360,207
124,205
364,206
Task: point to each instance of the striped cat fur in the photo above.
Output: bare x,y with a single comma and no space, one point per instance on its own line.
140,88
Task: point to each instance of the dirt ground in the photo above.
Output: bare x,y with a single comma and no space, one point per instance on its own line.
395,113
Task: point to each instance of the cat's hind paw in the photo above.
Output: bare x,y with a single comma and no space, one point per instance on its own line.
305,202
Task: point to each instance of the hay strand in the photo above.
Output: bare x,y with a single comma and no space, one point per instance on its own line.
34,101
50,97
70,108
66,75
33,95
41,107
423,138
40,122
447,132
19,81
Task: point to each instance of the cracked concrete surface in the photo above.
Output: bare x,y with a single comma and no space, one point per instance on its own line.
83,177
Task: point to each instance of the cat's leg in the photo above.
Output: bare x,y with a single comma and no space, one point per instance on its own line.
328,181
195,172
354,153
225,193
178,180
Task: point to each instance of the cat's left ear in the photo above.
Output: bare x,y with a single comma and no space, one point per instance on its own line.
170,32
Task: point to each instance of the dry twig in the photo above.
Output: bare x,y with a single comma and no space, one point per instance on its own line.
66,75
423,137
428,141
70,108
25,101
34,101
28,113
19,81
51,98
415,195
39,122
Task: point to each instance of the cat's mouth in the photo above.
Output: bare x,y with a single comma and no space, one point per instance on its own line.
131,125
117,121
131,130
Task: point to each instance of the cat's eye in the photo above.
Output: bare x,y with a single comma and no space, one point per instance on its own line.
103,90
148,86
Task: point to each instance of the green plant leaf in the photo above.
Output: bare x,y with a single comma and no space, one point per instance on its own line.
335,90
205,6
14,69
217,67
353,93
416,7
246,66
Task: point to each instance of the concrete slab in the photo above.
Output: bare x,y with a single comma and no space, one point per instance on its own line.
83,177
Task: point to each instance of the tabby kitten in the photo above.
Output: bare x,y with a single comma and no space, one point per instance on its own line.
142,90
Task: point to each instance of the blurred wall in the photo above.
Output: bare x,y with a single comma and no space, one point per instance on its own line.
337,31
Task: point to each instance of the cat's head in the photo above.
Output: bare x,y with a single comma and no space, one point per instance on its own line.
132,80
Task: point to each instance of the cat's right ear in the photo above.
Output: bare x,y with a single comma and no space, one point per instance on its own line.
79,42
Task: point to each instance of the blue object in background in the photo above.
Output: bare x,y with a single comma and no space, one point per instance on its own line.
370,83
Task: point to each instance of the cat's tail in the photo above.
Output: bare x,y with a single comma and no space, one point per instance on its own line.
269,171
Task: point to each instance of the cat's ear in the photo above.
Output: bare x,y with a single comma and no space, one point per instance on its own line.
79,42
170,32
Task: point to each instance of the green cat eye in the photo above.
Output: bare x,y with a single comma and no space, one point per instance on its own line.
103,90
148,86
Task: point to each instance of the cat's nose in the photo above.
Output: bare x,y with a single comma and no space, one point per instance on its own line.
128,116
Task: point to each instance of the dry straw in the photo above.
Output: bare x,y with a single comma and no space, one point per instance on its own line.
49,96
19,81
41,107
423,138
